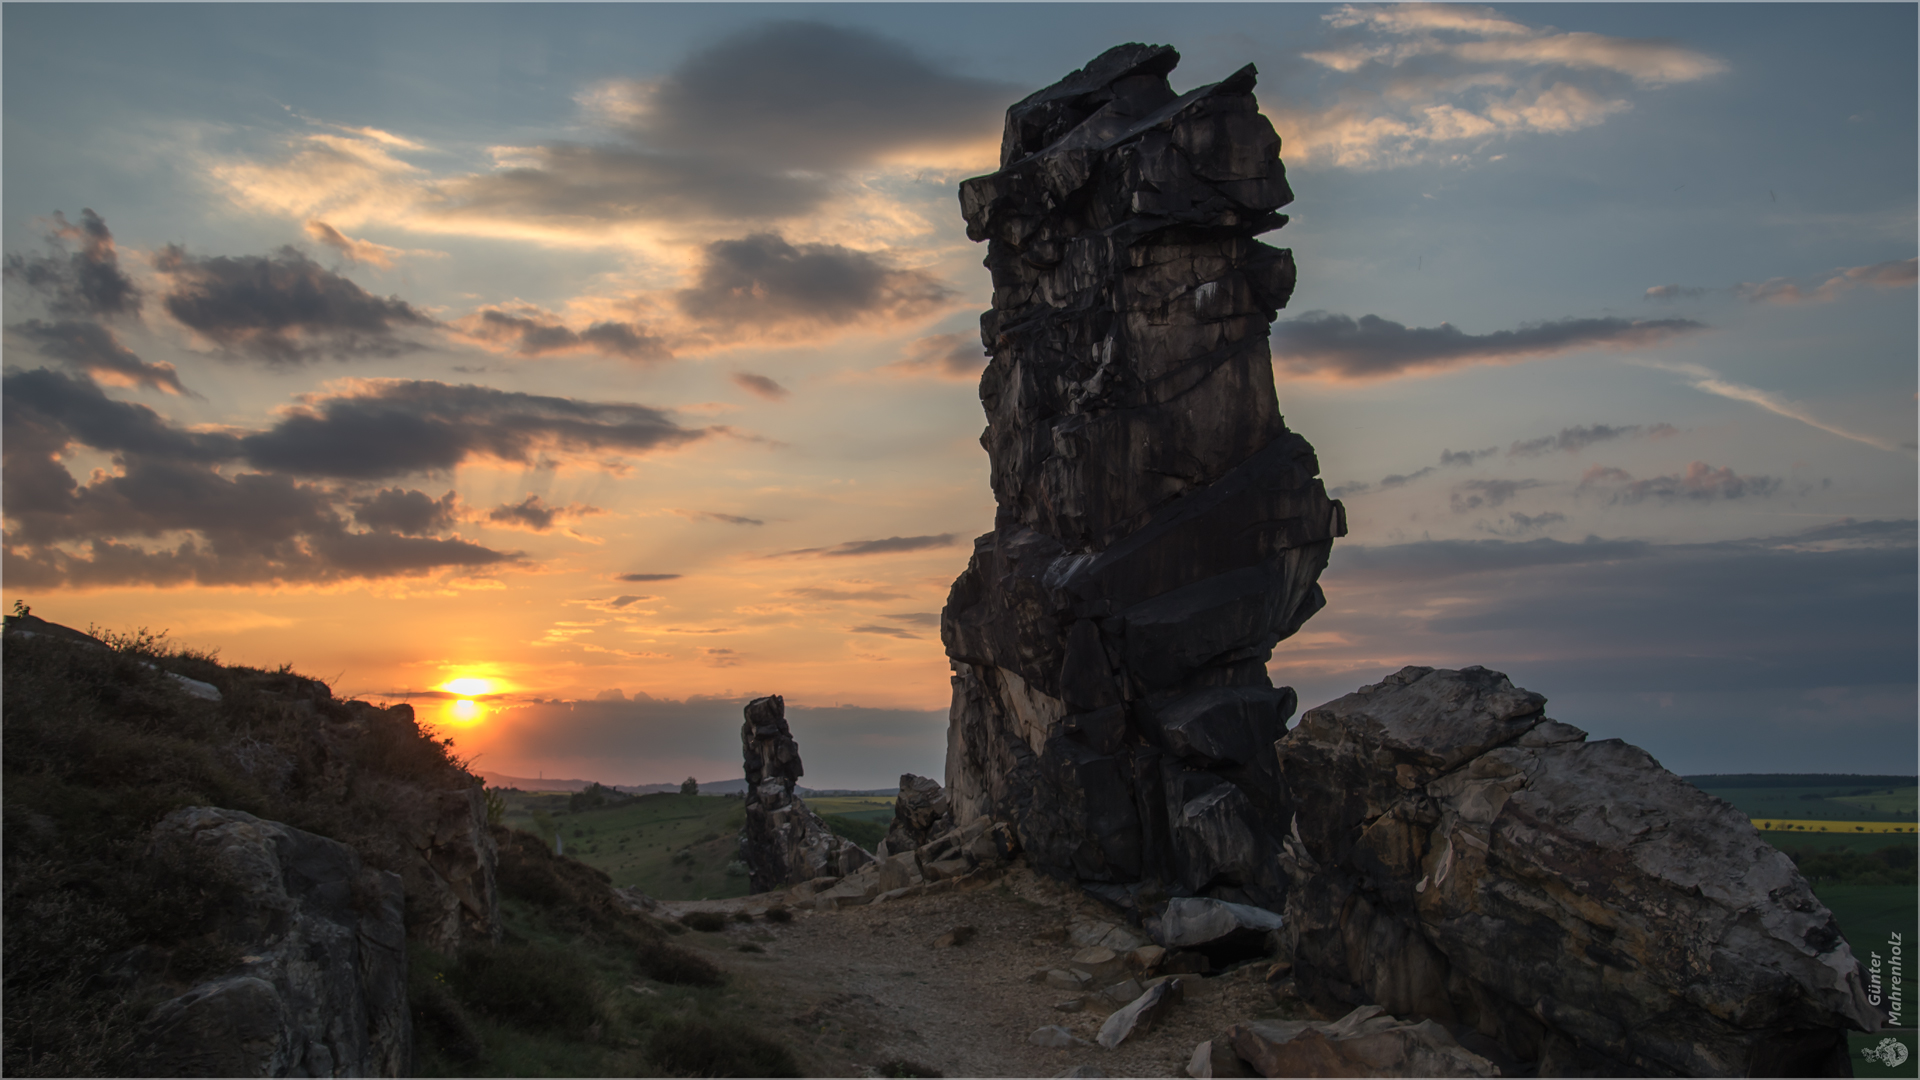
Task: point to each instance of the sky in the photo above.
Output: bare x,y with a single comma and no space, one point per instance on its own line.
577,373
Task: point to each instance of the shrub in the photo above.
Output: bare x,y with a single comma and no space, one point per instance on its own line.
779,915
865,833
441,1025
677,966
529,986
743,916
706,1048
707,922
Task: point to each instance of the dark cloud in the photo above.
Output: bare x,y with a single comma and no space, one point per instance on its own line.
1399,480
1351,487
724,519
390,428
534,515
1670,293
873,547
86,282
885,631
645,577
405,511
93,348
1340,347
590,185
1466,457
1518,524
1782,653
806,95
917,618
761,386
283,308
1700,482
534,335
1491,494
242,527
625,601
762,280
957,357
1572,440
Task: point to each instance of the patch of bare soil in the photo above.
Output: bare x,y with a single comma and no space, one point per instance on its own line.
854,989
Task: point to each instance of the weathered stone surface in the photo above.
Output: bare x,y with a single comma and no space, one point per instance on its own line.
920,813
321,986
1053,1036
785,842
1362,1043
1458,856
1100,964
1225,933
1159,528
1215,1057
1139,1015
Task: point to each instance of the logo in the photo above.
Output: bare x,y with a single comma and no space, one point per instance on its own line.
1891,1052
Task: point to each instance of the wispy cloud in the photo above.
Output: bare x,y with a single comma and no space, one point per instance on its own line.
362,251
1895,274
1440,82
1711,382
525,330
890,545
1339,347
761,386
1572,440
1700,482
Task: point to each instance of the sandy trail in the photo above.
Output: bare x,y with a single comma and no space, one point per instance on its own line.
853,989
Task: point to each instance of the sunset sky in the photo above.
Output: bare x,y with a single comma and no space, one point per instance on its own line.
578,372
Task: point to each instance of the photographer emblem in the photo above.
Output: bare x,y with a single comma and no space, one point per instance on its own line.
1891,1053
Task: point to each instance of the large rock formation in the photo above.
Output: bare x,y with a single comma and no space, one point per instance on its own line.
920,813
784,842
320,988
1458,856
1159,529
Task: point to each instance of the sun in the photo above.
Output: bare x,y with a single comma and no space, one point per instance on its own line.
470,685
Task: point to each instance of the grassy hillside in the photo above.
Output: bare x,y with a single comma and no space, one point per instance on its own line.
670,846
1818,797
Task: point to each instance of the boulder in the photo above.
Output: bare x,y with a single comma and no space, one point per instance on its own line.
1139,1015
1225,933
920,813
1100,964
1122,992
1159,529
320,988
1363,1043
1459,856
1215,1057
784,841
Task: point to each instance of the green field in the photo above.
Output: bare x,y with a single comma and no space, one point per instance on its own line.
1867,798
671,846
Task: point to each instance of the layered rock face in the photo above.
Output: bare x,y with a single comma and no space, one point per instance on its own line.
1159,528
321,986
1459,856
784,842
920,813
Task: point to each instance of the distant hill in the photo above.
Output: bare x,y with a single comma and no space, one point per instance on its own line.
707,787
1759,780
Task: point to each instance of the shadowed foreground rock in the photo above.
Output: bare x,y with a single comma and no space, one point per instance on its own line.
784,842
1158,529
1460,857
1362,1043
321,985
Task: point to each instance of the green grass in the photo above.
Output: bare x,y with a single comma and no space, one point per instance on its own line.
874,808
670,846
1824,802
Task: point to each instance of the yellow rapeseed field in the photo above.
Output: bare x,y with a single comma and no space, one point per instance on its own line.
1784,825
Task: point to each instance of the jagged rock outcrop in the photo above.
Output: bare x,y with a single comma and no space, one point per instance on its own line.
784,842
1460,857
1159,528
320,988
920,813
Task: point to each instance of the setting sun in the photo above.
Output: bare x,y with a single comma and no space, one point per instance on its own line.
470,684
464,711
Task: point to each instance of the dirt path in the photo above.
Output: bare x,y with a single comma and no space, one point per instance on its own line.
856,988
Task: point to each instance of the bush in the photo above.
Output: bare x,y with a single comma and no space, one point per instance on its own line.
742,916
529,986
705,1048
677,966
779,915
707,922
865,833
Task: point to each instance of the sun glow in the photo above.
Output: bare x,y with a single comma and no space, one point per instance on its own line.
464,711
470,685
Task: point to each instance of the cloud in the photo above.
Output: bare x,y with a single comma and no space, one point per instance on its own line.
86,282
885,631
1474,494
536,333
890,545
917,618
724,519
645,577
94,349
360,251
390,427
1709,381
1466,457
407,512
955,357
1670,293
1897,274
1700,483
762,281
1325,345
1572,440
761,386
283,308
241,528
817,592
533,515
1518,524
1419,83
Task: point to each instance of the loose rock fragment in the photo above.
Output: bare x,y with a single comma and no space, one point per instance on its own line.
1141,1015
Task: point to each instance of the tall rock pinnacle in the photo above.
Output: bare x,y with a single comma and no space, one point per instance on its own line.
1159,529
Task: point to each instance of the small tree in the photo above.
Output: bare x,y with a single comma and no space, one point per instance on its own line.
690,786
